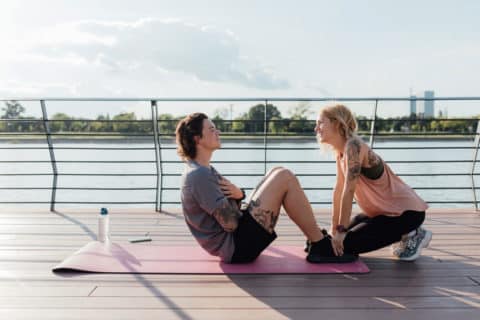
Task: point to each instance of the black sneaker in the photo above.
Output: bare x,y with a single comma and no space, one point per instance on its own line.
308,243
322,252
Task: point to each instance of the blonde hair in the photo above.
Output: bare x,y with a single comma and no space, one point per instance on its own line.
341,117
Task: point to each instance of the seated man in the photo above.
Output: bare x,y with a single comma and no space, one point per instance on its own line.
211,203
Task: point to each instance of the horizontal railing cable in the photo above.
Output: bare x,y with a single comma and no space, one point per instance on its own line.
72,134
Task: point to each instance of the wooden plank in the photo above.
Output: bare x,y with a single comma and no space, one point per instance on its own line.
232,290
28,290
235,314
248,302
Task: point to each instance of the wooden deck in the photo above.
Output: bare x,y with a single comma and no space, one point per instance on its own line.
443,284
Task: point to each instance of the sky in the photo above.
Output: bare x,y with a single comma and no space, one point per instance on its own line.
241,49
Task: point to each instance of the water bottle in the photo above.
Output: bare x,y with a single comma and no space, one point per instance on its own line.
103,226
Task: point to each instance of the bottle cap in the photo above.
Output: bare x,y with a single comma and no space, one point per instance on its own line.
103,211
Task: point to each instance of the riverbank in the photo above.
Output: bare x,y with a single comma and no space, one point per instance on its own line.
249,139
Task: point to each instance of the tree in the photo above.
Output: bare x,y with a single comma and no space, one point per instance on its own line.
299,118
238,124
124,122
166,123
221,119
256,115
61,122
13,110
363,123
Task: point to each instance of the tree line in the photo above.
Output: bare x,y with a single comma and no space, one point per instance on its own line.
252,121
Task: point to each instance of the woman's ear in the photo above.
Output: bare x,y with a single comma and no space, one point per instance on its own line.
196,138
337,126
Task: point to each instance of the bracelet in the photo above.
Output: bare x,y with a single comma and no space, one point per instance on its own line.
340,228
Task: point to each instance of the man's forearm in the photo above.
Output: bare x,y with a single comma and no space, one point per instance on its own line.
227,216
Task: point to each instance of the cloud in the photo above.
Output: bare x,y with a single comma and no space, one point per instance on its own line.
160,45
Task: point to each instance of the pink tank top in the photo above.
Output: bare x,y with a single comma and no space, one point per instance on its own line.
387,195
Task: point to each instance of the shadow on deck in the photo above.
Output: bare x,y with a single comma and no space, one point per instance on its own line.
444,283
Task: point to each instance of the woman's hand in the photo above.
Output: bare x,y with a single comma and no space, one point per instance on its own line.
337,243
230,190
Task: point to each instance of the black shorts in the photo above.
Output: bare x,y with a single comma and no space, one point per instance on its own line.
250,239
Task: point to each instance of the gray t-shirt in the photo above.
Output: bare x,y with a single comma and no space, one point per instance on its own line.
201,195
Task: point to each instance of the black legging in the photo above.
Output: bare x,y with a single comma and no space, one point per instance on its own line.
368,234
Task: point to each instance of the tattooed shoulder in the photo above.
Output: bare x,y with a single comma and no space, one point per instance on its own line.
353,156
373,158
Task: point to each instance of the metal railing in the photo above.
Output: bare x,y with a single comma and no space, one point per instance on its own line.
151,129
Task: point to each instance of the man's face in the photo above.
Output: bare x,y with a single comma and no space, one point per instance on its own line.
210,139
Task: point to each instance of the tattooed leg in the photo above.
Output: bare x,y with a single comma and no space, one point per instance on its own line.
266,218
281,187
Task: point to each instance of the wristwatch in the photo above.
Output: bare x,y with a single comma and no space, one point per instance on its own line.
340,228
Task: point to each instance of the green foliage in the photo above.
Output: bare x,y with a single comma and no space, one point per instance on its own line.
123,122
252,121
166,123
12,110
299,122
256,117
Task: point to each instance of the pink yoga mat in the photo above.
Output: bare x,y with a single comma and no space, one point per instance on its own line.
149,258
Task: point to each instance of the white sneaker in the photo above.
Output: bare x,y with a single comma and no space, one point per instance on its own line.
411,247
398,247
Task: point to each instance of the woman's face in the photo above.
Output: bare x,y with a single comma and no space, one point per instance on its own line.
325,129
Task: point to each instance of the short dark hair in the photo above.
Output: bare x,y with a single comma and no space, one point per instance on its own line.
187,129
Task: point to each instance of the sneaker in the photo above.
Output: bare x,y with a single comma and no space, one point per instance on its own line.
414,244
322,252
398,247
308,243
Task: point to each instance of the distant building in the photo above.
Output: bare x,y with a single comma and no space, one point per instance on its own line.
428,105
423,108
413,105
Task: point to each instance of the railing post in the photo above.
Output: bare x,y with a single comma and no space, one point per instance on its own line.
474,162
46,125
372,129
158,157
265,139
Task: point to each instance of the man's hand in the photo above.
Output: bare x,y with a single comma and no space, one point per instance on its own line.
337,243
230,190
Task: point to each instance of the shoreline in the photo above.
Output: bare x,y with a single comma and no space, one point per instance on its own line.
250,139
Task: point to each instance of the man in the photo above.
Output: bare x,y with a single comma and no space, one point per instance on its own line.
211,203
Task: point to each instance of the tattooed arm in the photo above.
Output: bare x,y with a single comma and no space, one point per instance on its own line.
353,168
227,215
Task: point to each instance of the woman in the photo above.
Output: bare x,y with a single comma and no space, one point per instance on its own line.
393,212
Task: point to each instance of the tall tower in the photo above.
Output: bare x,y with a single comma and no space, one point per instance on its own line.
429,105
413,104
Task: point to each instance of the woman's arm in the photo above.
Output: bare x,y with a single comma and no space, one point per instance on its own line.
337,193
354,165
